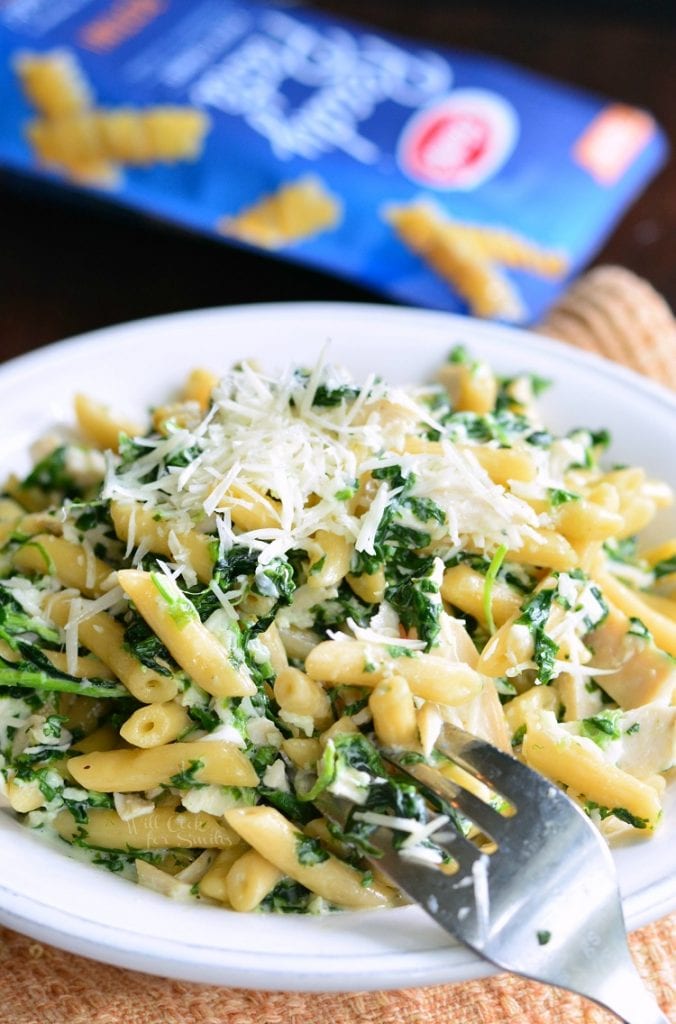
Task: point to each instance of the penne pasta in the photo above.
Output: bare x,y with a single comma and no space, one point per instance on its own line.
104,637
332,565
155,725
428,675
275,838
583,768
393,710
301,696
161,829
175,621
74,565
100,426
134,522
464,588
250,879
133,771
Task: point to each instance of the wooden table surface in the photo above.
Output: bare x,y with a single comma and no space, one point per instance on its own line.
67,268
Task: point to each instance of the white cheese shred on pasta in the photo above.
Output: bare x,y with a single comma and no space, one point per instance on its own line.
381,639
371,521
100,604
75,616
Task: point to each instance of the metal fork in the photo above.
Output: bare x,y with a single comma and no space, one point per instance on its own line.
545,904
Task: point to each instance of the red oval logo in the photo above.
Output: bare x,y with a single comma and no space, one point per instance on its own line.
449,144
460,141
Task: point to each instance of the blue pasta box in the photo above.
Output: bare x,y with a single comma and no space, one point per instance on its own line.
440,178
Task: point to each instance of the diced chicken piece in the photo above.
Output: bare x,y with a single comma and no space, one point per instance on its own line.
455,638
484,717
648,741
642,673
577,696
86,467
161,881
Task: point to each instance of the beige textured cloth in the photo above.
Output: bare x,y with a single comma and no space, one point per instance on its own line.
608,311
41,985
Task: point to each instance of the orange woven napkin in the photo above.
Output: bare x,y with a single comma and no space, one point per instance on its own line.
609,311
41,985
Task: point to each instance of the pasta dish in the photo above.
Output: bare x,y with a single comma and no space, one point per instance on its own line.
210,620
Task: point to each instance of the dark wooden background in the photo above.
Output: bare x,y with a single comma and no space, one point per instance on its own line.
67,268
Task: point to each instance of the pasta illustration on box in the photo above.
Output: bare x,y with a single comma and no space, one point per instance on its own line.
472,258
212,628
295,212
90,143
440,178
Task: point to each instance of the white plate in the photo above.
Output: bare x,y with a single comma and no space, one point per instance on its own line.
45,894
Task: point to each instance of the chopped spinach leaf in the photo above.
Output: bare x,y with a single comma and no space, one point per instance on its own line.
347,492
309,851
15,622
623,550
287,897
262,757
140,641
630,819
665,567
35,671
638,628
204,717
534,615
50,474
326,397
602,728
418,604
180,608
489,583
618,812
558,496
186,779
88,515
335,612
518,735
292,807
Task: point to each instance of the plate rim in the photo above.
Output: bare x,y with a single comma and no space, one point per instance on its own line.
532,337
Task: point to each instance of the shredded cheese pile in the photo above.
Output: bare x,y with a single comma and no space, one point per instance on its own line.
264,438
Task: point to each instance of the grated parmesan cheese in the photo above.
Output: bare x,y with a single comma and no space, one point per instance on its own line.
266,435
75,616
371,521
